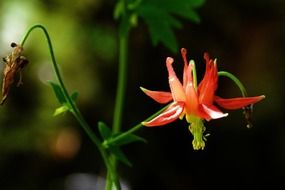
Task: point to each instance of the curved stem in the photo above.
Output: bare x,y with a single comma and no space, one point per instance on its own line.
75,111
57,73
235,80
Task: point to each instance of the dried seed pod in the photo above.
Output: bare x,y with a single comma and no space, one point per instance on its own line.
14,63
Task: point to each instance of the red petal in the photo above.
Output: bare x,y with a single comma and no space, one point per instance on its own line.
209,83
236,103
159,96
184,53
191,94
213,112
170,114
176,87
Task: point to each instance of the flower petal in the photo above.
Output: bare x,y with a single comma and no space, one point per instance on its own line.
236,103
176,87
213,112
209,83
192,103
159,96
184,53
167,116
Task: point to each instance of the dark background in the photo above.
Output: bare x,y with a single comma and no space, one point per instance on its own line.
39,151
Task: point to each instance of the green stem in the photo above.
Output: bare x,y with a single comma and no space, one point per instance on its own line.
75,111
114,140
120,94
132,130
235,80
109,182
121,85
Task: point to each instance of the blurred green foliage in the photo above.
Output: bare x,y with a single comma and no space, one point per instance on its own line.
158,15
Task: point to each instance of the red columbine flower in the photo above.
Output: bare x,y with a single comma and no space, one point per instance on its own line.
195,103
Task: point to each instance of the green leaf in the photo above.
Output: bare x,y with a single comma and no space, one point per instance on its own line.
160,26
159,17
61,110
120,155
104,130
183,8
74,96
58,92
118,10
61,98
129,139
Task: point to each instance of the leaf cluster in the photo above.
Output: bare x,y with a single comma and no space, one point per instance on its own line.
161,17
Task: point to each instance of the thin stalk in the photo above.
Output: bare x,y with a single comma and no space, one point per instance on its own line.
120,94
109,182
123,135
121,84
235,80
75,111
133,129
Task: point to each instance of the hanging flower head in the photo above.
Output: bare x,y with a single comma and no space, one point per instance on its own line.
195,102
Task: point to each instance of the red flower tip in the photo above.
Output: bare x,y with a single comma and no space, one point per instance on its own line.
237,103
184,53
206,56
169,60
159,96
